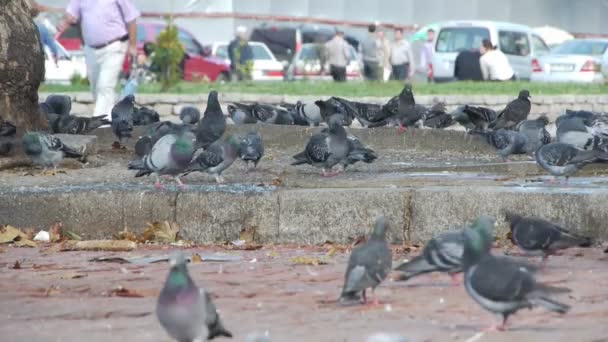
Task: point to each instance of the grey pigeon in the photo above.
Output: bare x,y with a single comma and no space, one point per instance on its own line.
213,124
515,112
48,151
216,158
505,142
443,253
241,114
561,159
58,104
184,310
189,115
122,119
334,105
156,131
536,134
474,118
499,284
368,114
369,264
72,124
310,112
252,149
325,150
533,234
8,133
584,130
170,155
144,116
356,150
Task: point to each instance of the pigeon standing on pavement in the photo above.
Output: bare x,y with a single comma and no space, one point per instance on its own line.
369,264
189,115
48,151
506,142
58,104
184,310
144,116
8,133
561,159
532,234
535,132
335,105
170,155
252,149
241,114
72,124
309,111
408,115
515,112
325,150
216,158
499,284
358,152
213,125
474,118
122,119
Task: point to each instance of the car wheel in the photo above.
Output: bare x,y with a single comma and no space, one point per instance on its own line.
222,78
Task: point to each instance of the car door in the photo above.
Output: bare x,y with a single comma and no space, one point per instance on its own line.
516,46
196,67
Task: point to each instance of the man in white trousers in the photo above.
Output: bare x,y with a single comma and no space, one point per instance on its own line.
109,32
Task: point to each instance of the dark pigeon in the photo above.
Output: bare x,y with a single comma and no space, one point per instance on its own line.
583,130
561,159
216,158
58,104
368,114
409,115
535,132
325,150
474,118
499,284
8,133
369,264
334,105
122,119
184,310
72,124
189,115
48,151
144,116
252,149
515,112
533,234
505,142
241,113
213,125
437,117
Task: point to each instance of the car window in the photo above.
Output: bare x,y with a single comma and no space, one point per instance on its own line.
222,51
539,45
189,43
259,53
455,39
514,43
581,47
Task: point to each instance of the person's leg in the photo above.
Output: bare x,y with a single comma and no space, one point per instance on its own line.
406,71
398,72
90,56
332,72
342,74
111,59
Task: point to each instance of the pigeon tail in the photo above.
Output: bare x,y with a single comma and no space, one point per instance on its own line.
550,304
300,159
365,155
218,330
568,239
137,164
415,267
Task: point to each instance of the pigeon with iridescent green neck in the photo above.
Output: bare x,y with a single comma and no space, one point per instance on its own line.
48,151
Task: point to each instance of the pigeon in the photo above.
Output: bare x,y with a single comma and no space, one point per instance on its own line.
499,284
189,115
216,158
561,159
72,124
241,114
506,142
184,310
48,151
252,148
144,116
8,133
515,112
369,264
122,119
474,118
156,131
583,130
325,150
170,155
443,253
407,113
367,114
310,112
213,125
356,150
58,104
332,106
436,116
536,134
532,234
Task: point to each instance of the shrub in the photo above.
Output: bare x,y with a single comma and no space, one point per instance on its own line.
168,55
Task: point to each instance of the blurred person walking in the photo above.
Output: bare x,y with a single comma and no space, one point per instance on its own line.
370,50
46,38
384,56
241,55
426,55
337,52
109,32
494,64
401,57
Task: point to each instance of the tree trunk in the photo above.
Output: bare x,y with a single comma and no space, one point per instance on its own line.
21,66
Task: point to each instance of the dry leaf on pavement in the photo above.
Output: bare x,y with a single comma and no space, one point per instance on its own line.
308,260
55,232
276,182
124,292
16,265
195,258
125,234
161,232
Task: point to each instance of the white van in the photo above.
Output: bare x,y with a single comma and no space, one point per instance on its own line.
517,42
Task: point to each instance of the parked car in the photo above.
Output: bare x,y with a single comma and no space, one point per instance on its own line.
517,42
306,64
68,65
578,60
265,65
197,63
286,40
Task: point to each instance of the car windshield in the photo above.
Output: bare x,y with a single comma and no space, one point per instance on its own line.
455,39
581,47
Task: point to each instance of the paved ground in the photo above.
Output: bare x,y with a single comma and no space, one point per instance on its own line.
43,301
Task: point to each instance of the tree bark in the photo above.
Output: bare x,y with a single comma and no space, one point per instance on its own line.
21,66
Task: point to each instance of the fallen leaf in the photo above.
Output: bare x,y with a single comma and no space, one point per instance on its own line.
124,292
243,247
196,258
55,232
72,236
25,243
99,245
332,251
16,265
161,232
73,275
308,260
276,182
10,234
124,235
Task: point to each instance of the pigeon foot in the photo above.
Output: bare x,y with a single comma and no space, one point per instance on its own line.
456,281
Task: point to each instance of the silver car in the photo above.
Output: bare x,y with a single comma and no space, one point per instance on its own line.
577,60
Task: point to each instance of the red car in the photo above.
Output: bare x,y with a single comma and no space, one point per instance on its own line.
198,63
